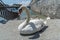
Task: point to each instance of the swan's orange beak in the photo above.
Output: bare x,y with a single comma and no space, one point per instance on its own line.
20,11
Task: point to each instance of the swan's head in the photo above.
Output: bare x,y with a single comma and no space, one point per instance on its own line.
20,9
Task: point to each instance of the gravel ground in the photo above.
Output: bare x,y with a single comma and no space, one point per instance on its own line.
9,31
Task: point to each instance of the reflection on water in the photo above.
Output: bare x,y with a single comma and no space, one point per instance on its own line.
2,20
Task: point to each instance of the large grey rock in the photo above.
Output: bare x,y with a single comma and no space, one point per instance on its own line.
47,7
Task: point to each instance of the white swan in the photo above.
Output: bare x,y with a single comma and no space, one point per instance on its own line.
30,26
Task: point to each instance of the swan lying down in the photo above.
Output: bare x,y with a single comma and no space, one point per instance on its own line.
30,26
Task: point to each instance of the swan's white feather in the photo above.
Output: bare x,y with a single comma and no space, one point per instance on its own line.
33,26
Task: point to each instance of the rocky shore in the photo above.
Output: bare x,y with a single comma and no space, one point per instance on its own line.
9,31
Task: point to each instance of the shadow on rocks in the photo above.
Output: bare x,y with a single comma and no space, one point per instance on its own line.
36,35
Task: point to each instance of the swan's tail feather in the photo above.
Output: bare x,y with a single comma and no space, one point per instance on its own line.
48,18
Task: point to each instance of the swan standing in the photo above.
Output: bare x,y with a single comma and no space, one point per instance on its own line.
30,26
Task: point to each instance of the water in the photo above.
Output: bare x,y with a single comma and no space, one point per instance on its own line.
23,15
24,2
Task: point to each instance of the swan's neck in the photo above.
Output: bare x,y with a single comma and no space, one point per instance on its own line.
28,17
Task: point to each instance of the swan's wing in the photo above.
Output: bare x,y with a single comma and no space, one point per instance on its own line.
28,29
37,21
38,24
32,27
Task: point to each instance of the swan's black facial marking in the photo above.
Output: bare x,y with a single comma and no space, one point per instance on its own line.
20,11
